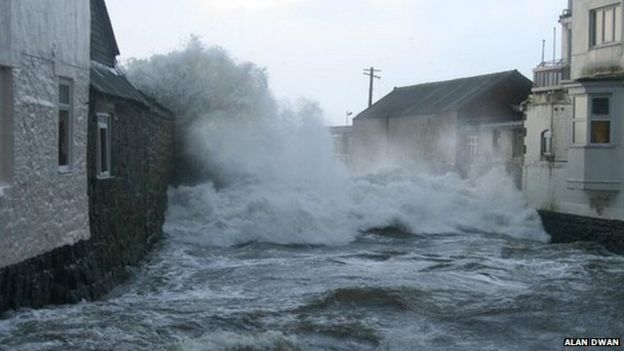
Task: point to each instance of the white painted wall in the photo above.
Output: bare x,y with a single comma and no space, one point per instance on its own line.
43,208
586,60
583,179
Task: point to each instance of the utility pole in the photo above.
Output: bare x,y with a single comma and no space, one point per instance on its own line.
371,73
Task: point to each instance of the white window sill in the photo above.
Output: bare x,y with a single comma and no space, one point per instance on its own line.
595,146
3,188
605,45
65,170
104,177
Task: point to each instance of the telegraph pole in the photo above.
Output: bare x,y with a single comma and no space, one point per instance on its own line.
371,73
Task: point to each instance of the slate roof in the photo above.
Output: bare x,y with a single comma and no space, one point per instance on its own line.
437,97
111,82
104,47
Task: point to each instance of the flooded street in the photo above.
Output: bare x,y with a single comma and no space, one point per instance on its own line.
385,291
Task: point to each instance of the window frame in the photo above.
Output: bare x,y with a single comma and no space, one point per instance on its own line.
616,36
546,143
473,146
599,118
6,127
104,121
583,119
69,108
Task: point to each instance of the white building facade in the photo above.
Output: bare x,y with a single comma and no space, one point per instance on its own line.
574,162
44,93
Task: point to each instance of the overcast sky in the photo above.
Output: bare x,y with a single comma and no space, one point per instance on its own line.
318,48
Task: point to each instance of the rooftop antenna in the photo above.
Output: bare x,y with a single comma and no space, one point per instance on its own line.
554,44
349,113
543,50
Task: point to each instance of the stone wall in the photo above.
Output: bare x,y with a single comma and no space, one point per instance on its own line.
565,228
126,214
42,207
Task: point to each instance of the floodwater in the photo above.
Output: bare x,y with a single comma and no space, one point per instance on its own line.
387,290
299,266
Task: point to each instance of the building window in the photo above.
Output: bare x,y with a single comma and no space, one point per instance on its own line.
103,145
517,147
600,130
472,146
6,127
579,123
496,138
605,25
546,143
65,124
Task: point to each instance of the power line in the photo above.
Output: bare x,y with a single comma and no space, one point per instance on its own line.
370,72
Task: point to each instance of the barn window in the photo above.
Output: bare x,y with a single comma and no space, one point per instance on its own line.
65,124
472,146
496,139
103,145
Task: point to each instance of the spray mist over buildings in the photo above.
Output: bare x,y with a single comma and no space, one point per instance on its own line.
253,169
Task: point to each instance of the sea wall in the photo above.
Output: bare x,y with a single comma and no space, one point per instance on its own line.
126,213
565,228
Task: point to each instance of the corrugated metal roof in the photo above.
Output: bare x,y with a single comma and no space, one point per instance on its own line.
436,97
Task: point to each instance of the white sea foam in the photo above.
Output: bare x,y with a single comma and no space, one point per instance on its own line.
277,179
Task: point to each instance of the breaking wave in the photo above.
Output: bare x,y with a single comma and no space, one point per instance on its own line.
269,174
334,214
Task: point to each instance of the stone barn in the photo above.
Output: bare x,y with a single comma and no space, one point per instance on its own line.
464,125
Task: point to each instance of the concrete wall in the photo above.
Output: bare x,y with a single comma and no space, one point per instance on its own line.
544,179
597,60
43,208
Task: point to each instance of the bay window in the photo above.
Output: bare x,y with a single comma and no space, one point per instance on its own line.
600,130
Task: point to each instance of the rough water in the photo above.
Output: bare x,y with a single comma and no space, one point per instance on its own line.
292,253
465,274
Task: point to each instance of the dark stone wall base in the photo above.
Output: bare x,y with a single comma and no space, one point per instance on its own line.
65,275
565,228
126,213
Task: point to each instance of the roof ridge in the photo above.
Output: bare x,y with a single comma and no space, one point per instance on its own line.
501,73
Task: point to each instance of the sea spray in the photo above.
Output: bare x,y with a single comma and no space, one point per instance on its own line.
270,175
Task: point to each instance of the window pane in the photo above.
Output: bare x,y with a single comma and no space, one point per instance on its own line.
599,27
618,24
103,150
64,91
600,106
608,25
580,132
2,123
63,138
601,132
580,107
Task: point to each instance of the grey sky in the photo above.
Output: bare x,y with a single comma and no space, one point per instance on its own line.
317,48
